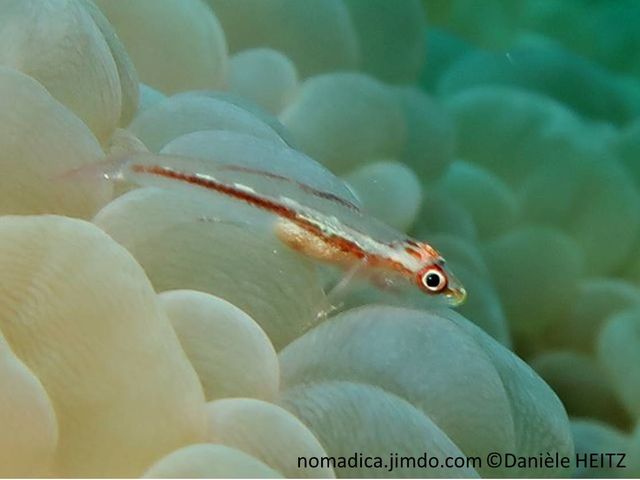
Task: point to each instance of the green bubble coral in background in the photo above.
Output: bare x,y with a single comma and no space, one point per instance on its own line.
597,299
443,49
493,25
430,137
576,376
507,130
618,353
591,198
176,335
390,38
592,436
534,301
490,202
542,66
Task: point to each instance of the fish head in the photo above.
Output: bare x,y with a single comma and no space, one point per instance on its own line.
435,278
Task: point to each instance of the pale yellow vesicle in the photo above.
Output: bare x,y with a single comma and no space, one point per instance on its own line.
229,351
40,141
80,313
267,432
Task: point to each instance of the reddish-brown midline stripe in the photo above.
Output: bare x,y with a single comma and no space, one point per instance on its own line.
302,186
339,242
255,200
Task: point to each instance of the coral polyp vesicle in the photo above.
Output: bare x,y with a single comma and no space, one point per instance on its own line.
205,315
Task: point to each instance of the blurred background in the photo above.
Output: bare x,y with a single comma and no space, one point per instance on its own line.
504,132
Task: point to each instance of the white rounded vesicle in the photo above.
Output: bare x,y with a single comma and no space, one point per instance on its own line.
206,460
228,350
201,241
41,141
349,417
268,432
29,433
81,314
344,120
374,184
129,84
317,36
362,345
168,119
441,214
539,417
409,353
175,45
70,56
264,76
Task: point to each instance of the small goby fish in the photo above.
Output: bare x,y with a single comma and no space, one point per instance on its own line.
337,239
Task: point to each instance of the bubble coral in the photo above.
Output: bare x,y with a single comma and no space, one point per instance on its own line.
75,55
66,310
230,352
345,119
181,249
194,50
265,76
29,435
391,38
316,36
374,181
594,437
408,353
267,432
207,460
176,335
175,116
542,66
337,410
33,165
618,352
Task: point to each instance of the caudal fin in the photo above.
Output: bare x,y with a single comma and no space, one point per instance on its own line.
110,168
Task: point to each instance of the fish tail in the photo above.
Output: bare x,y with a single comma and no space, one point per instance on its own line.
109,168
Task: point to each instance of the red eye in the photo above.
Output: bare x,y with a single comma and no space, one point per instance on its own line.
433,280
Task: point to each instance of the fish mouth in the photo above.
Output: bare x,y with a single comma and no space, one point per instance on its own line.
456,296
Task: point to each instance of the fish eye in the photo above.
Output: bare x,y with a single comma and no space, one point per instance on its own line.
434,280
